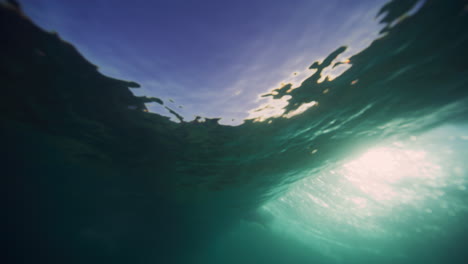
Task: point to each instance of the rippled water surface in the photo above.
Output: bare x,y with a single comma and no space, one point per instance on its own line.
358,158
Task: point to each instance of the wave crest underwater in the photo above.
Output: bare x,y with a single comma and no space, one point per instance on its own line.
92,177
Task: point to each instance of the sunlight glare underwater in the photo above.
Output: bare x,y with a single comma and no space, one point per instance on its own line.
388,193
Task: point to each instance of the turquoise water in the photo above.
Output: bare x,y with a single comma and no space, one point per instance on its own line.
368,166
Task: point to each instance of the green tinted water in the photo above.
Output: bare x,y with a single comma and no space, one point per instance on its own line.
367,167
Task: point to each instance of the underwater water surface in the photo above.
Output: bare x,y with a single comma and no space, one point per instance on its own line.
363,160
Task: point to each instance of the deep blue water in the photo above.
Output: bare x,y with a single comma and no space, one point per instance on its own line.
366,167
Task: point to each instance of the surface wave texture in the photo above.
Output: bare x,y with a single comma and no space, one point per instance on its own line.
90,176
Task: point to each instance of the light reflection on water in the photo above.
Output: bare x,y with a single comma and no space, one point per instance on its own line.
389,193
379,171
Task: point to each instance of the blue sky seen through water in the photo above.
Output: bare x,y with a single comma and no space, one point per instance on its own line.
213,58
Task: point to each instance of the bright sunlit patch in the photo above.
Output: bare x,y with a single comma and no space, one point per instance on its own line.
272,108
301,109
377,171
389,192
389,164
